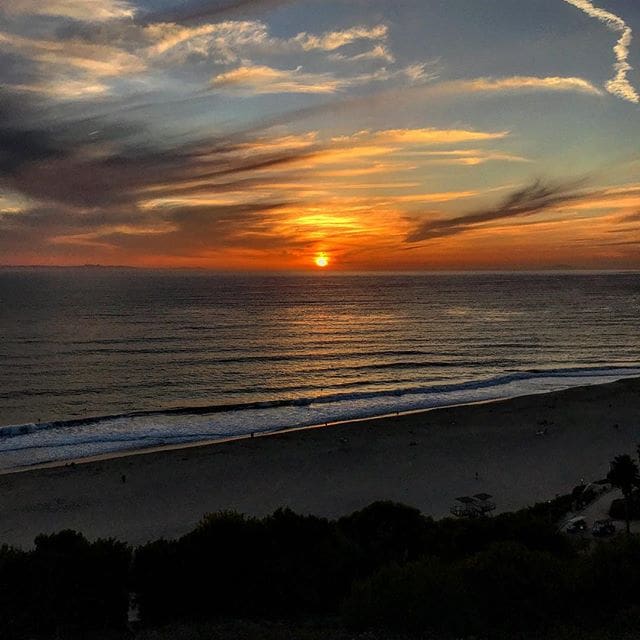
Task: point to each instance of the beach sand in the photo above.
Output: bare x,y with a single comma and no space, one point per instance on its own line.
423,459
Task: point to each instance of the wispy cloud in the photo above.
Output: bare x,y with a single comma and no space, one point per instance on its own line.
267,189
232,40
430,136
390,100
224,42
565,198
336,39
619,85
633,217
534,198
252,79
261,79
201,10
66,89
378,52
86,10
466,157
100,60
77,53
130,135
518,84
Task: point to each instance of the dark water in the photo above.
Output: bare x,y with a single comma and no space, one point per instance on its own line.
285,350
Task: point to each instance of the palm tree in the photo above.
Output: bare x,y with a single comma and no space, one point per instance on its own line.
624,474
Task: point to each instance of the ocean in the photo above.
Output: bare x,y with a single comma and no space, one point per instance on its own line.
98,360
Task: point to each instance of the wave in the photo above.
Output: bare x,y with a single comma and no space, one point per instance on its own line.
387,397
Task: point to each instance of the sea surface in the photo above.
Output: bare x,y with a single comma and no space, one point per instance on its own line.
96,360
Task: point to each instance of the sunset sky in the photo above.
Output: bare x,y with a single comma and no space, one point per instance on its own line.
384,135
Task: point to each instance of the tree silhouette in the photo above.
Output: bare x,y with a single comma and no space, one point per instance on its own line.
624,474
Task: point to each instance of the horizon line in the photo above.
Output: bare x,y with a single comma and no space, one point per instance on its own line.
550,269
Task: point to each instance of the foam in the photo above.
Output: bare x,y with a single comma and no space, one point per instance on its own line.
35,443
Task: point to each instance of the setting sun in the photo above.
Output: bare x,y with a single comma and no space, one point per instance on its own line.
322,260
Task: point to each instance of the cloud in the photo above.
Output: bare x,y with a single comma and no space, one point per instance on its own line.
261,79
21,145
534,198
97,59
66,89
419,73
392,99
379,52
445,196
85,10
370,169
432,136
634,217
627,197
70,61
110,193
94,164
67,71
466,157
64,59
251,79
187,232
224,41
619,85
233,40
333,40
209,9
517,83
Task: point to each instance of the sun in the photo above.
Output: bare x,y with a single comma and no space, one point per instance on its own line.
322,260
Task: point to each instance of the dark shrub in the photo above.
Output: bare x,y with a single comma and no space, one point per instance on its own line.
511,587
309,565
223,560
415,598
158,581
284,565
66,585
79,585
618,509
505,588
210,571
461,538
387,532
15,593
610,577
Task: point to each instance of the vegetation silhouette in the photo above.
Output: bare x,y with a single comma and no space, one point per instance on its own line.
385,568
625,476
64,587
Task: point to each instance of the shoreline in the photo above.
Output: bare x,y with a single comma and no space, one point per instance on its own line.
115,455
264,432
520,450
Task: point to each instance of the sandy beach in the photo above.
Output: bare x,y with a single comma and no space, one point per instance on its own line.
523,450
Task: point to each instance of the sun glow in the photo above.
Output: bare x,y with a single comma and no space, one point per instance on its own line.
322,260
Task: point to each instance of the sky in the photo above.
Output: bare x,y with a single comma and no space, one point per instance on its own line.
261,134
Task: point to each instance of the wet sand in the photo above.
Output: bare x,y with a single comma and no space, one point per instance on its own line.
523,450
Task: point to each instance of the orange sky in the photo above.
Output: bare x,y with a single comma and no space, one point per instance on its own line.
256,141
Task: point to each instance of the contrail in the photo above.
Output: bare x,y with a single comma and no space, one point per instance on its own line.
619,85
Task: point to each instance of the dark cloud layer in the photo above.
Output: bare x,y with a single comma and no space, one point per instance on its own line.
196,11
88,188
68,163
534,198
